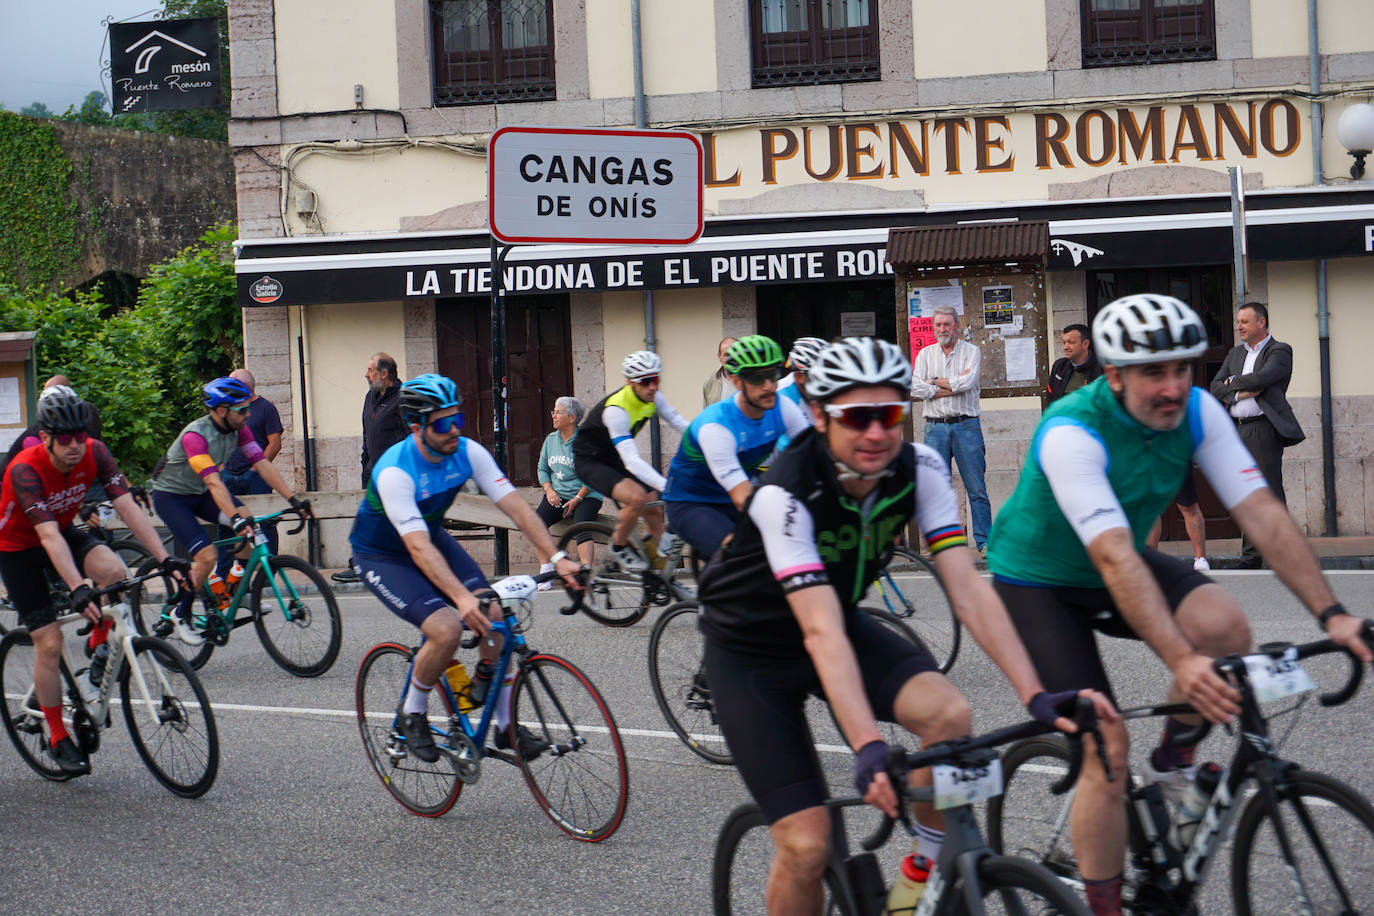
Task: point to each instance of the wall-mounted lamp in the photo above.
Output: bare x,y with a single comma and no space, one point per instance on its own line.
1355,130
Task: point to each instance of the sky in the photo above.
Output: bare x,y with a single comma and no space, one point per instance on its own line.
51,51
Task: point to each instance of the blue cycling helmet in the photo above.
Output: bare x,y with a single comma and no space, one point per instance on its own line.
425,394
224,391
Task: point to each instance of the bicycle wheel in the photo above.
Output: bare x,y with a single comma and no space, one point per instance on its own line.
300,630
9,617
426,789
171,724
1012,885
1027,819
582,782
679,683
129,550
23,721
1330,829
739,868
615,598
153,602
892,733
911,589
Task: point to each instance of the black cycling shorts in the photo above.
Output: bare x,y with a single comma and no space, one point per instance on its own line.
1057,623
1187,494
602,476
25,573
761,707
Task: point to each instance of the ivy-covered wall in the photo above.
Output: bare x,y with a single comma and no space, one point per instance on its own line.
40,243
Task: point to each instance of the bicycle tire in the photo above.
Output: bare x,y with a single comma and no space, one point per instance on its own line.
150,602
1007,879
739,867
423,789
1339,821
27,729
920,599
574,718
9,617
614,598
182,751
679,685
1031,832
300,645
131,551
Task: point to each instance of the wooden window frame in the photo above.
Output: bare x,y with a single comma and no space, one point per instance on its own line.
814,55
1153,34
493,74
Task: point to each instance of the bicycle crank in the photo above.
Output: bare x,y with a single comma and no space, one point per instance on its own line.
467,760
86,731
216,630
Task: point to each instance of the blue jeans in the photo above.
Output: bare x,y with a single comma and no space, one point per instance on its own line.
963,443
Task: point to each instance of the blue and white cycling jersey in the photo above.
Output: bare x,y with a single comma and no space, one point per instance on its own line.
724,448
407,492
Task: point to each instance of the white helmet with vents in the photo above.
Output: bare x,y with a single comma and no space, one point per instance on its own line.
1147,328
641,364
854,362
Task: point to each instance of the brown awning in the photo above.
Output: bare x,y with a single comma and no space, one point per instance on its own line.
968,243
15,346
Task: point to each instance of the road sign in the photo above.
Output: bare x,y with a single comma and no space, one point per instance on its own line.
555,184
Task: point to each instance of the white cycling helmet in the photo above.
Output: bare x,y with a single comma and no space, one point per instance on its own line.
1147,328
804,351
853,362
641,364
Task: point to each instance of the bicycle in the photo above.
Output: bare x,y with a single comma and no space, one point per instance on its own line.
619,597
968,872
301,631
1291,805
165,707
911,589
678,679
580,781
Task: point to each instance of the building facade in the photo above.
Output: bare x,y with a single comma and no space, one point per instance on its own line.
360,129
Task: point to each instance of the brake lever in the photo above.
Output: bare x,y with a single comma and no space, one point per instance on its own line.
583,574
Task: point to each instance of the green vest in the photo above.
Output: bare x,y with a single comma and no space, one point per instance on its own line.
177,475
1031,540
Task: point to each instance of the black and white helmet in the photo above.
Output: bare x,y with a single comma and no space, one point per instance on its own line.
853,362
61,411
804,350
1147,328
641,364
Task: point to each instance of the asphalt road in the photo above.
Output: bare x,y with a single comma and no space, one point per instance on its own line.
298,823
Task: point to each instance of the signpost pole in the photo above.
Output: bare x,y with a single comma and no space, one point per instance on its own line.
500,537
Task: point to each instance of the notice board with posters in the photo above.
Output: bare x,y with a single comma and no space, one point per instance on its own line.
991,276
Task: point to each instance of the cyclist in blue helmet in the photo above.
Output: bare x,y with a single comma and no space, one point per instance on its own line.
189,488
418,571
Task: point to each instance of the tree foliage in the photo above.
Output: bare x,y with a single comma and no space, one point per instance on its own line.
40,240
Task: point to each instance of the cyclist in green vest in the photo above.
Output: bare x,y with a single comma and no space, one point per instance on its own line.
607,460
1068,556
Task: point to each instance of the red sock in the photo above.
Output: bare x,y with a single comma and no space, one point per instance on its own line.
99,633
56,730
1104,896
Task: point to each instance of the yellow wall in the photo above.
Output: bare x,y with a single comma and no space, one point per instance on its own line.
1293,319
689,328
340,340
323,50
679,45
987,36
1278,28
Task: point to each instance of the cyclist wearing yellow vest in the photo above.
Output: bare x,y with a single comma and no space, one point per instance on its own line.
607,460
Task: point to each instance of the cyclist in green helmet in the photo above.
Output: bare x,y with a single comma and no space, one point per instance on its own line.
710,478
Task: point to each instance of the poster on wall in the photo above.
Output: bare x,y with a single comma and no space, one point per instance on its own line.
923,300
9,401
922,333
999,308
858,324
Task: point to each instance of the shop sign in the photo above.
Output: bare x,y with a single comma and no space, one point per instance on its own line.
549,184
167,65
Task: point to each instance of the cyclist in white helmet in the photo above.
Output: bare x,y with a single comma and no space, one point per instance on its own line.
607,460
1068,553
804,352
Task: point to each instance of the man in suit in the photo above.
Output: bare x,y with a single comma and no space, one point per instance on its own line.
1077,367
1253,384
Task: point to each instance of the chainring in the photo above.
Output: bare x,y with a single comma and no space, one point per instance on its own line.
467,759
85,730
216,630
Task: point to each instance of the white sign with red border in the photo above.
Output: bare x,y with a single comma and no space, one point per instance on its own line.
557,184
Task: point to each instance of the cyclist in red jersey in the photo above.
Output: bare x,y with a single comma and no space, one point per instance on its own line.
42,490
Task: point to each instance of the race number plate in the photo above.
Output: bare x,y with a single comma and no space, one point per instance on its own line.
956,786
1276,678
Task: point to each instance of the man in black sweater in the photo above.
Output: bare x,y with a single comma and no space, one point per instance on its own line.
1078,366
382,426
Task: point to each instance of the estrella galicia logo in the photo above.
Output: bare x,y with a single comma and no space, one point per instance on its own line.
266,291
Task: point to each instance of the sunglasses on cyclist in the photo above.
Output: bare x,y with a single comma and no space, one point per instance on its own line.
66,439
760,376
445,425
861,416
242,408
647,380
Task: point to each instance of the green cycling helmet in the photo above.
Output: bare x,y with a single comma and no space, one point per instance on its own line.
752,353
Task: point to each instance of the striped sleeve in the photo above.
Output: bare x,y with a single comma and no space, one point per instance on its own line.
937,509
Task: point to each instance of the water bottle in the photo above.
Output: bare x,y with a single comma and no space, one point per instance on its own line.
910,885
98,660
217,589
481,683
461,684
1194,805
231,579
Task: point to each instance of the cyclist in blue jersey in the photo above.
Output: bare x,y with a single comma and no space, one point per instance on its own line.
711,476
804,352
1068,553
419,571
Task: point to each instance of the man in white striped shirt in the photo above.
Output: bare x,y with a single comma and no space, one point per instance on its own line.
946,380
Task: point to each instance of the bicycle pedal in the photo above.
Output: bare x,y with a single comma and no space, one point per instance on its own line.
163,628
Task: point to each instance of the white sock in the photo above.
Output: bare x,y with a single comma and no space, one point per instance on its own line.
503,704
928,842
546,568
417,698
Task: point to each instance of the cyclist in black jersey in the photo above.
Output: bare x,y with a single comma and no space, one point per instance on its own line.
779,613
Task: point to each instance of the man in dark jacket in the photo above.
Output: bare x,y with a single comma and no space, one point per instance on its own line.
1253,384
382,426
1078,366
